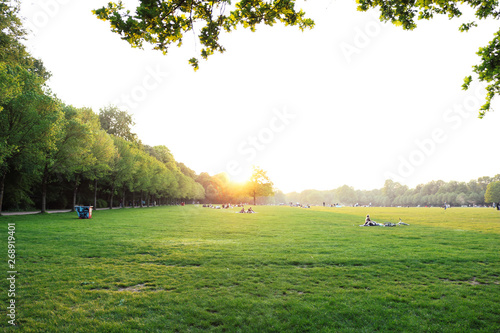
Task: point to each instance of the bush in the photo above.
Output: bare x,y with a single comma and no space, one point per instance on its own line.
101,203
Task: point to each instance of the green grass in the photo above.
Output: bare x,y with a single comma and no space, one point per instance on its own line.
191,269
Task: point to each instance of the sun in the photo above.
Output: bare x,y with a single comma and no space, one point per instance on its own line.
241,175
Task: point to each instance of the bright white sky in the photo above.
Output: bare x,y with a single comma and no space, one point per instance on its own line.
353,101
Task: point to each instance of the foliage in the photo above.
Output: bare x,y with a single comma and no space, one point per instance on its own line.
117,122
346,194
81,152
404,14
259,184
28,115
492,192
163,23
488,71
44,142
72,156
29,126
434,193
10,84
13,53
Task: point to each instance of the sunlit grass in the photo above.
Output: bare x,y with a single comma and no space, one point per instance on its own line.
477,219
188,269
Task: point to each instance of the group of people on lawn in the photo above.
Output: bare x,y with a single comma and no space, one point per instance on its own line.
370,223
250,210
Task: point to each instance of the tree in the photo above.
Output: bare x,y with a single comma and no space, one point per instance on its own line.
104,150
217,188
393,189
195,190
433,187
279,197
462,198
404,13
204,179
10,84
187,171
29,125
10,34
170,178
492,192
311,197
211,193
122,167
117,123
28,115
141,178
71,157
259,184
163,23
12,50
346,195
474,198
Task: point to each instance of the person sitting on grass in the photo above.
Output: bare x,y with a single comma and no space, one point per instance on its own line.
369,222
250,210
242,210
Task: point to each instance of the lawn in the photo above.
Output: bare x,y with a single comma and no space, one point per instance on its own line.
193,269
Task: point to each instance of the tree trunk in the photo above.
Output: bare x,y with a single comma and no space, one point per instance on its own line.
2,186
123,200
95,193
75,191
45,179
111,197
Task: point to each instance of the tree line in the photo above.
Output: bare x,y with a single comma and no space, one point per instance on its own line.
73,160
220,189
54,155
482,191
57,155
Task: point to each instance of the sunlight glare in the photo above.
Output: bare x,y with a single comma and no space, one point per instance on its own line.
242,176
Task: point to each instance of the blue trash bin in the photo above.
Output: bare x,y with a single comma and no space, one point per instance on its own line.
84,212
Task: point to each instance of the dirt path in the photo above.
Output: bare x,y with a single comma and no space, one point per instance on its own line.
48,211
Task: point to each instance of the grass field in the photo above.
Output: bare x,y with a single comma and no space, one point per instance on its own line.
191,269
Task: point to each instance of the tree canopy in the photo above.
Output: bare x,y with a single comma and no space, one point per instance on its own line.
259,184
117,122
52,154
50,151
162,23
405,14
433,193
29,116
493,192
